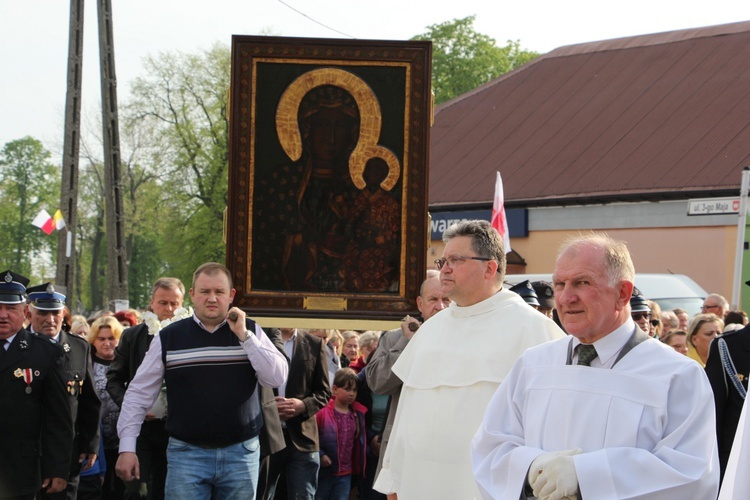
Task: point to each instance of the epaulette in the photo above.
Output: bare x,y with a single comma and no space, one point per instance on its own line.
78,338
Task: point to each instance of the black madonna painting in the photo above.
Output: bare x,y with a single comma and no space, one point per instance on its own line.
328,175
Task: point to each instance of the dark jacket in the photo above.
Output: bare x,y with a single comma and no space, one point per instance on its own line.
85,406
726,397
308,381
129,354
34,414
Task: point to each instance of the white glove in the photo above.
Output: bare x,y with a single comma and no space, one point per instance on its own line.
552,476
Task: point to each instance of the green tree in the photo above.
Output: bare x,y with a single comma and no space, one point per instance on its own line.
463,59
176,118
28,183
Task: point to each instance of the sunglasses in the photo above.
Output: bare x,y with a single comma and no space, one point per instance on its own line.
655,322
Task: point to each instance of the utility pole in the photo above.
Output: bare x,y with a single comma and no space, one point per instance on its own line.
66,254
117,263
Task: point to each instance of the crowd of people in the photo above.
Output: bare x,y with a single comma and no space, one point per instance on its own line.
488,393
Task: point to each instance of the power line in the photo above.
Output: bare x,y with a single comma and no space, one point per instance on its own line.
313,20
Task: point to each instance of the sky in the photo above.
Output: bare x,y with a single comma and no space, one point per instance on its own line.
34,37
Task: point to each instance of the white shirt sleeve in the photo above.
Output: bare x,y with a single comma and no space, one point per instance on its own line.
140,396
271,367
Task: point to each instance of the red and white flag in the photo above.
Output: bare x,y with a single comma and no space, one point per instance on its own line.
48,223
499,221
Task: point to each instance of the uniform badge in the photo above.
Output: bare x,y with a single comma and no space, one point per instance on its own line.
36,373
66,347
50,288
8,277
18,373
24,344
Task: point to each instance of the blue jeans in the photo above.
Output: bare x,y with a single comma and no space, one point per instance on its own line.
212,473
334,487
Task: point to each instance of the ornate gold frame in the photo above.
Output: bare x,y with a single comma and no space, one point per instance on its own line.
270,77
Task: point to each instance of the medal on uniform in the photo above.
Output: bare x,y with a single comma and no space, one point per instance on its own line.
66,347
71,387
18,373
28,377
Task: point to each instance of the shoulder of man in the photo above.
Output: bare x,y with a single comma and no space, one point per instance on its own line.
75,341
132,332
307,337
737,337
44,342
390,336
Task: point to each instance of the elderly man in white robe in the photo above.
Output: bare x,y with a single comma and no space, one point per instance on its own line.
453,365
606,413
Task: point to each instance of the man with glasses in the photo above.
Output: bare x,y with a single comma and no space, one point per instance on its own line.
451,368
715,304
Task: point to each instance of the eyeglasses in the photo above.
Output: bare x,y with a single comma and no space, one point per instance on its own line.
640,316
456,260
655,322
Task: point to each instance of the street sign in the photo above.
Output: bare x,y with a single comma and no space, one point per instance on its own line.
714,206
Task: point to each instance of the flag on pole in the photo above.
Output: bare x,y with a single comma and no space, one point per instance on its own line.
44,221
59,220
48,223
499,221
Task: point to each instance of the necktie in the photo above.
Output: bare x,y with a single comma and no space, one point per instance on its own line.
586,354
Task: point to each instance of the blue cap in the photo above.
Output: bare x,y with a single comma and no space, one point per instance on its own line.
12,288
47,297
527,293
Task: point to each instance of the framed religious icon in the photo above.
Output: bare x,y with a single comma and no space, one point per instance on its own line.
327,214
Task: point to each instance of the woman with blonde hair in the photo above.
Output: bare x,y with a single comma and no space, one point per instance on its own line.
702,330
79,326
677,340
104,337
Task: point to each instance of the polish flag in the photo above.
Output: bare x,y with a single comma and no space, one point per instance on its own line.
499,221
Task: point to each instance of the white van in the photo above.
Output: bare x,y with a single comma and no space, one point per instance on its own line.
667,290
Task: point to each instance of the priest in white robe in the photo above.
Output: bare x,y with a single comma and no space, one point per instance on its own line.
453,365
629,418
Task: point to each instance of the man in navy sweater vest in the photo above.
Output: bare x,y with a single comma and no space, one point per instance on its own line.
211,365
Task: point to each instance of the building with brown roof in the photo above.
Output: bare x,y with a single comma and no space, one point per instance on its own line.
616,135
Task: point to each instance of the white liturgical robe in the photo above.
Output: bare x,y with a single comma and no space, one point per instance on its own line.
736,484
646,426
450,369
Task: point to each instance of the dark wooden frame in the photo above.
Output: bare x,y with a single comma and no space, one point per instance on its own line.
263,68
